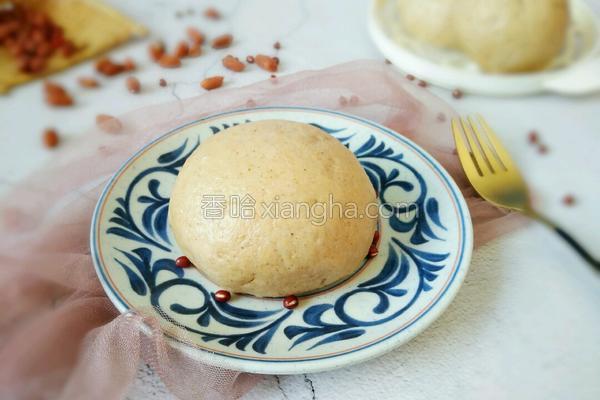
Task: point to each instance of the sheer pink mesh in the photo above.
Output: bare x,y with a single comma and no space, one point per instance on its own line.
59,335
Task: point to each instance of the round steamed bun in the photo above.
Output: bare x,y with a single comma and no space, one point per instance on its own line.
273,162
502,36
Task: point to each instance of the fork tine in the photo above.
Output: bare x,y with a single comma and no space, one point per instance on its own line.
475,149
490,155
464,153
496,145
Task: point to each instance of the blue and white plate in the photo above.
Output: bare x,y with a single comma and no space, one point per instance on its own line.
424,254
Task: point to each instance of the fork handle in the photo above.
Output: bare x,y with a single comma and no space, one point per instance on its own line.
569,239
578,248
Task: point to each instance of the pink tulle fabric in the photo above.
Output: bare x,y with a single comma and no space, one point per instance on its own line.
60,337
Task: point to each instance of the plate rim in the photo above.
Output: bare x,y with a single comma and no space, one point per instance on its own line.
285,367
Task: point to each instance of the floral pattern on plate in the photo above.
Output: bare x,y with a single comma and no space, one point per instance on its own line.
424,250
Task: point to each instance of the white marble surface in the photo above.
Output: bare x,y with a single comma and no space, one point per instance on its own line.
526,323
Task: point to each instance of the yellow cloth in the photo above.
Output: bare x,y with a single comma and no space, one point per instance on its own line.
91,25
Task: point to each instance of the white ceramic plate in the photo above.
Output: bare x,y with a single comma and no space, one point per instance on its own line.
424,256
577,70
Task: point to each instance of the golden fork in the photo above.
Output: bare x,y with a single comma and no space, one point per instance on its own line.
495,177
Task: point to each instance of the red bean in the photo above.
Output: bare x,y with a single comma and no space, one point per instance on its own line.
222,296
373,251
291,302
533,137
183,262
457,93
568,200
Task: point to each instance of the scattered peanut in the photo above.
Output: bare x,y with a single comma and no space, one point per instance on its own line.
169,61
267,63
212,82
88,82
156,50
50,138
56,95
107,67
250,59
212,13
129,64
195,50
233,63
162,82
222,42
108,123
277,45
182,49
133,84
195,35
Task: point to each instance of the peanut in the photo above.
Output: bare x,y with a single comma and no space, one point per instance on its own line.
88,82
182,49
133,84
222,42
43,50
156,50
267,63
107,67
68,49
50,138
57,39
212,82
195,35
31,37
195,50
169,61
108,123
212,13
56,95
129,64
36,64
233,63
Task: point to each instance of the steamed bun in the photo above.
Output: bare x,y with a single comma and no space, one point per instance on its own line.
500,35
269,254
